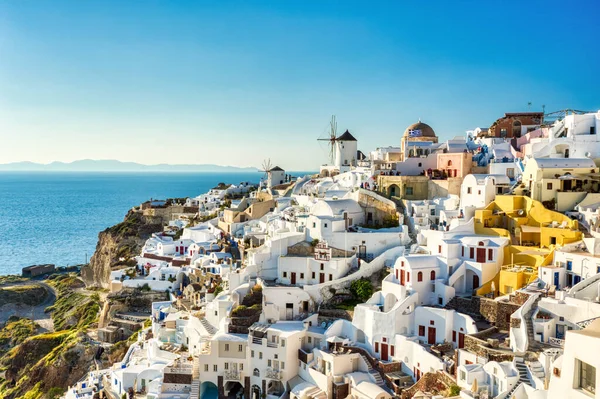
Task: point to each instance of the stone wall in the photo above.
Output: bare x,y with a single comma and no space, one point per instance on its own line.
495,312
434,383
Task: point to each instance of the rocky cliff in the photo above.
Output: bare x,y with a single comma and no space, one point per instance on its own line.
117,246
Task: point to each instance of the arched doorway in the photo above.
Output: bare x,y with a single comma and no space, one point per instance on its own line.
232,388
275,387
516,129
255,393
208,390
394,190
475,281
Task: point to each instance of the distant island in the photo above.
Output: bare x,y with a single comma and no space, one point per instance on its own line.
90,165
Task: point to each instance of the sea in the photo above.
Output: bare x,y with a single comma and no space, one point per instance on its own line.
55,217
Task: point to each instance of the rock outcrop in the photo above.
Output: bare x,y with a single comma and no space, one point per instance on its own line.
117,246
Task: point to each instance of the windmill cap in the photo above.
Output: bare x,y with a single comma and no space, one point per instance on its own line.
346,137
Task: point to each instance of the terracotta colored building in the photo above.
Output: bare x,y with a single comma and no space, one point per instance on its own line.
455,164
515,124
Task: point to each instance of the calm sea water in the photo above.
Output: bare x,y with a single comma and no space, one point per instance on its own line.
56,217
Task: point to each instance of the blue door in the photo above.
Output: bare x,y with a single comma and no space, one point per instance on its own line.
576,279
556,279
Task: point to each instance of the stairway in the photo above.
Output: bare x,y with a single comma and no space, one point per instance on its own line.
508,395
522,369
532,344
195,391
208,327
374,373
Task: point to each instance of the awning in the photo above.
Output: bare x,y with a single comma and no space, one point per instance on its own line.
530,229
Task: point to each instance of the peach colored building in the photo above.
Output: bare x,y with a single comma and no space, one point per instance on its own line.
455,164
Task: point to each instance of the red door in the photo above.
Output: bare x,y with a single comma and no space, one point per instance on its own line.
401,277
481,255
293,278
475,281
321,278
461,340
384,352
431,336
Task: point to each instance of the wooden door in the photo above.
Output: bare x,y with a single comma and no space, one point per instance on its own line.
293,278
461,340
401,277
321,278
475,281
431,336
481,255
384,352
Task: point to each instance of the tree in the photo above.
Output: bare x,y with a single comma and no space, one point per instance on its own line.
361,289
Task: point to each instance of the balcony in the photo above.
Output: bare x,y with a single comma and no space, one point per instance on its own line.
232,375
273,374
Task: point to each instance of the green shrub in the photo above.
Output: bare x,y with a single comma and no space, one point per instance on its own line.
361,289
454,390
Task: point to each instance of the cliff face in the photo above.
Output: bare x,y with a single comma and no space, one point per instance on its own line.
117,246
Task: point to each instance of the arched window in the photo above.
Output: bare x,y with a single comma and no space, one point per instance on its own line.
256,373
481,243
450,163
432,275
420,276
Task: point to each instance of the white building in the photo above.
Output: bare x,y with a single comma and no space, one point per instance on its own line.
478,191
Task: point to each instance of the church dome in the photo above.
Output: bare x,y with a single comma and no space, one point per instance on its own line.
419,129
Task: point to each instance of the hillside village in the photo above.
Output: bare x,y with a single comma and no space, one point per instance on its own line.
468,268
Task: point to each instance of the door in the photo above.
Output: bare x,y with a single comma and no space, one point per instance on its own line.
321,278
289,311
431,336
576,279
461,340
556,276
475,281
293,278
384,352
481,255
401,277
569,279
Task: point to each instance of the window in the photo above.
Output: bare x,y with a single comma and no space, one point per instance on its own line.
453,336
206,368
313,275
276,356
325,225
420,276
433,212
431,322
439,249
549,186
240,348
283,365
463,375
421,331
587,376
478,192
252,354
269,363
408,277
241,366
503,133
376,347
432,275
215,368
402,263
310,340
330,277
463,251
301,275
392,349
469,190
226,366
322,266
490,254
260,355
256,373
283,343
314,225
420,164
569,265
226,347
592,129
409,191
450,163
471,253
284,274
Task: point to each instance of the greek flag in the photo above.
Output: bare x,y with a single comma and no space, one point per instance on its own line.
414,133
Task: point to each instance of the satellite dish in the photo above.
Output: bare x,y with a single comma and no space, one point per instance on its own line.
520,212
588,154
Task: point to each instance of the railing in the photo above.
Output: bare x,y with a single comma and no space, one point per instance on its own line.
556,342
585,323
257,341
231,375
273,374
272,344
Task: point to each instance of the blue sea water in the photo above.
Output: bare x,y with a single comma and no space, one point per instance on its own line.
56,217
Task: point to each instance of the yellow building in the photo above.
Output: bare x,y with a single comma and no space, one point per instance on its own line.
534,232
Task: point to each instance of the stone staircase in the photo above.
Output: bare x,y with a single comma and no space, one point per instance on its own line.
532,344
195,391
374,373
522,369
208,327
509,394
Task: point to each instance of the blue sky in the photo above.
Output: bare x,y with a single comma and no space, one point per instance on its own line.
236,82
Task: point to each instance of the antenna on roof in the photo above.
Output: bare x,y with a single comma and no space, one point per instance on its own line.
529,106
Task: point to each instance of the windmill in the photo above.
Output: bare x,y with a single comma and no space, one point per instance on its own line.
266,167
332,137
